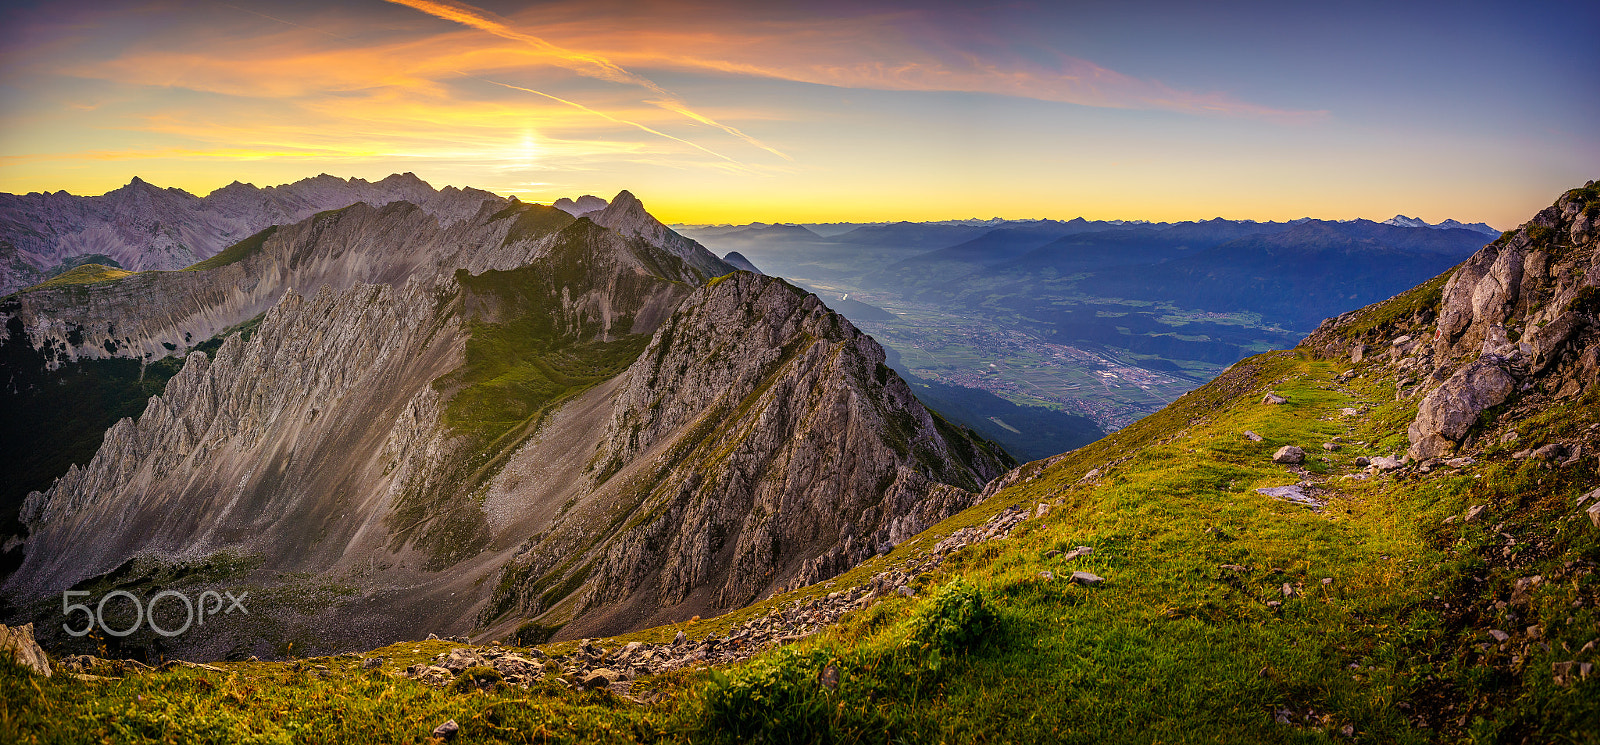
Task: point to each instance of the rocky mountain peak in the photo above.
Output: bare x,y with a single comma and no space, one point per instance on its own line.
584,205
626,216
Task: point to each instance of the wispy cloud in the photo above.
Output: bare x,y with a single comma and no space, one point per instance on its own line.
609,117
881,50
581,62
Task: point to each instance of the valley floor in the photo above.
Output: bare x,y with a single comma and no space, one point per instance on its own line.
1224,614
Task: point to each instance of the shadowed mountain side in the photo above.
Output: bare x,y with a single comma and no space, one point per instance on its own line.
738,261
1027,432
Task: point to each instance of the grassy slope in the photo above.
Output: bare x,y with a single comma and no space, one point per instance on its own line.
1171,648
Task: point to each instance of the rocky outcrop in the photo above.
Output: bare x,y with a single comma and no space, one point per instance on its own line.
1445,415
1522,314
18,644
141,226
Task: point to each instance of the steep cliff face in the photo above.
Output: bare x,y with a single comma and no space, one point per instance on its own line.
758,442
141,226
255,448
1521,317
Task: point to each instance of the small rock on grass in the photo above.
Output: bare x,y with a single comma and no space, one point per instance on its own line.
447,731
1473,512
1086,578
1594,514
1499,635
1289,455
1251,436
1383,463
830,676
1273,399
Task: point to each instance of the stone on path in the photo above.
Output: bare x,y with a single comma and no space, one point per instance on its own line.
1295,494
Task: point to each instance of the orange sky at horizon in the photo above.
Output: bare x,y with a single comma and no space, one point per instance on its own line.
720,113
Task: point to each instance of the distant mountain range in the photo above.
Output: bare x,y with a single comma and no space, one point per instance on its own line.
832,229
1417,222
142,226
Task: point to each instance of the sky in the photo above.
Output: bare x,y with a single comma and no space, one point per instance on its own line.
731,112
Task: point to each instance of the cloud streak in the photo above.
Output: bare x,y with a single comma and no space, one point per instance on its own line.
618,120
583,63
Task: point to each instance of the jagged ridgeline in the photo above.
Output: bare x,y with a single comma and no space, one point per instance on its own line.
516,419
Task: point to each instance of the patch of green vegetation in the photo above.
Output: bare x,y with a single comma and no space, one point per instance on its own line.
83,275
235,253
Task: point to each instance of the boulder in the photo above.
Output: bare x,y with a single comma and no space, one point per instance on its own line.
1289,455
1446,414
19,642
